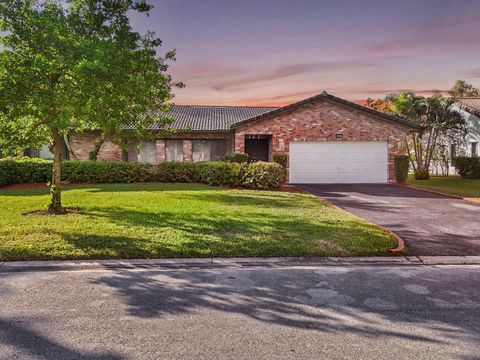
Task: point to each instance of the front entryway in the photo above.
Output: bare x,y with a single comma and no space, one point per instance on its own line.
333,162
257,147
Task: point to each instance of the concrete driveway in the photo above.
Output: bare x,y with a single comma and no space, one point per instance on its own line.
430,224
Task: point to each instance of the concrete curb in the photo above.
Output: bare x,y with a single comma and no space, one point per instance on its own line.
212,263
400,242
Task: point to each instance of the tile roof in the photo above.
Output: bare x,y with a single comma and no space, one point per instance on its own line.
224,118
472,105
211,118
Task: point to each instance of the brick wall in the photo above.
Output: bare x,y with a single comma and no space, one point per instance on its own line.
321,121
82,144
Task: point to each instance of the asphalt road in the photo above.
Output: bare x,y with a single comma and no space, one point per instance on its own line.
430,224
342,312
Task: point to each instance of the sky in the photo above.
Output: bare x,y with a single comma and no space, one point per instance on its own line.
275,52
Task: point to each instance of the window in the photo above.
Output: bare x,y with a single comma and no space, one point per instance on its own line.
146,152
201,150
45,152
174,150
474,149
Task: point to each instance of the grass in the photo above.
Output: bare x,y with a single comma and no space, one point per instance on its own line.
453,185
180,220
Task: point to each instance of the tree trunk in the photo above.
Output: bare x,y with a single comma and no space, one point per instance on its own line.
55,206
98,144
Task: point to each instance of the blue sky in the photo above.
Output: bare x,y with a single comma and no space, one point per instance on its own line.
250,52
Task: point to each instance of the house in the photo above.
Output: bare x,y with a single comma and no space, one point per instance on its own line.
470,109
327,139
443,164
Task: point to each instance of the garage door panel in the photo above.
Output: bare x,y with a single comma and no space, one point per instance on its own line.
338,162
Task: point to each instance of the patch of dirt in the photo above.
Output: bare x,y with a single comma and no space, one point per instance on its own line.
66,211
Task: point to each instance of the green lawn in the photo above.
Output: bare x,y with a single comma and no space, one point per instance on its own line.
453,185
180,220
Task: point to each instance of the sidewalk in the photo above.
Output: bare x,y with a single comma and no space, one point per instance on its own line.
16,266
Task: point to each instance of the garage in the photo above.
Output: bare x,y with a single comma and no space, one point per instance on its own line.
338,162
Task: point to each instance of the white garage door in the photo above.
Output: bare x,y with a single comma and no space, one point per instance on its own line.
331,162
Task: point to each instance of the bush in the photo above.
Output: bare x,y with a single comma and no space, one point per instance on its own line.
281,159
258,175
263,175
402,163
174,172
467,167
217,173
236,157
24,170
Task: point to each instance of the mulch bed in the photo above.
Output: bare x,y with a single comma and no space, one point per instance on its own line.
45,212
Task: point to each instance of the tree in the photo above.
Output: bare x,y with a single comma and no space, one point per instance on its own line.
438,120
462,89
77,65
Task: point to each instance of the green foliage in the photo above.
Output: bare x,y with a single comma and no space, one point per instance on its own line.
281,159
72,66
463,89
258,175
174,172
401,168
263,175
24,170
236,157
468,167
218,173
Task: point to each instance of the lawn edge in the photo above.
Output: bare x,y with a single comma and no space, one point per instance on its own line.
401,247
453,196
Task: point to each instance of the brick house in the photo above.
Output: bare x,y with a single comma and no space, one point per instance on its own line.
327,139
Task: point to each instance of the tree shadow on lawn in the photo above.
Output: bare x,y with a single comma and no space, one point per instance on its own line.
218,234
355,301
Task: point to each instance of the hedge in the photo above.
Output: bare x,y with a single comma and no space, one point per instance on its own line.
402,163
467,167
254,175
236,157
218,173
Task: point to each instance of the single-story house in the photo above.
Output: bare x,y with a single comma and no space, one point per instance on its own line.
469,108
327,139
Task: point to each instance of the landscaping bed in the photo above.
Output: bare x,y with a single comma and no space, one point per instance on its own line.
154,220
452,185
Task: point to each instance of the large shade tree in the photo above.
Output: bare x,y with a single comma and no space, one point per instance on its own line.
76,65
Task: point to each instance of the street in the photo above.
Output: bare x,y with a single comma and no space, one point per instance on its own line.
322,312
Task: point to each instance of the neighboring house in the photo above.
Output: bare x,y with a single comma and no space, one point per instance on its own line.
468,146
327,139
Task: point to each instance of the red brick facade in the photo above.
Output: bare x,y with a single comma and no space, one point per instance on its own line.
322,120
319,120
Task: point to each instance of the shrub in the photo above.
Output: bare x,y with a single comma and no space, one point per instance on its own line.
281,159
402,163
467,167
174,172
218,173
236,157
24,170
263,175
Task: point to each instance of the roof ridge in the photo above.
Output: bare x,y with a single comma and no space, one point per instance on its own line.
228,106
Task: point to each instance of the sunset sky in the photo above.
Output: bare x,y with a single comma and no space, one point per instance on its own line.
252,52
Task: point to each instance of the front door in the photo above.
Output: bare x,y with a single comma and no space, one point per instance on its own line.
257,149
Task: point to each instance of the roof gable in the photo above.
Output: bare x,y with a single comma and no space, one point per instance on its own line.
471,105
325,95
